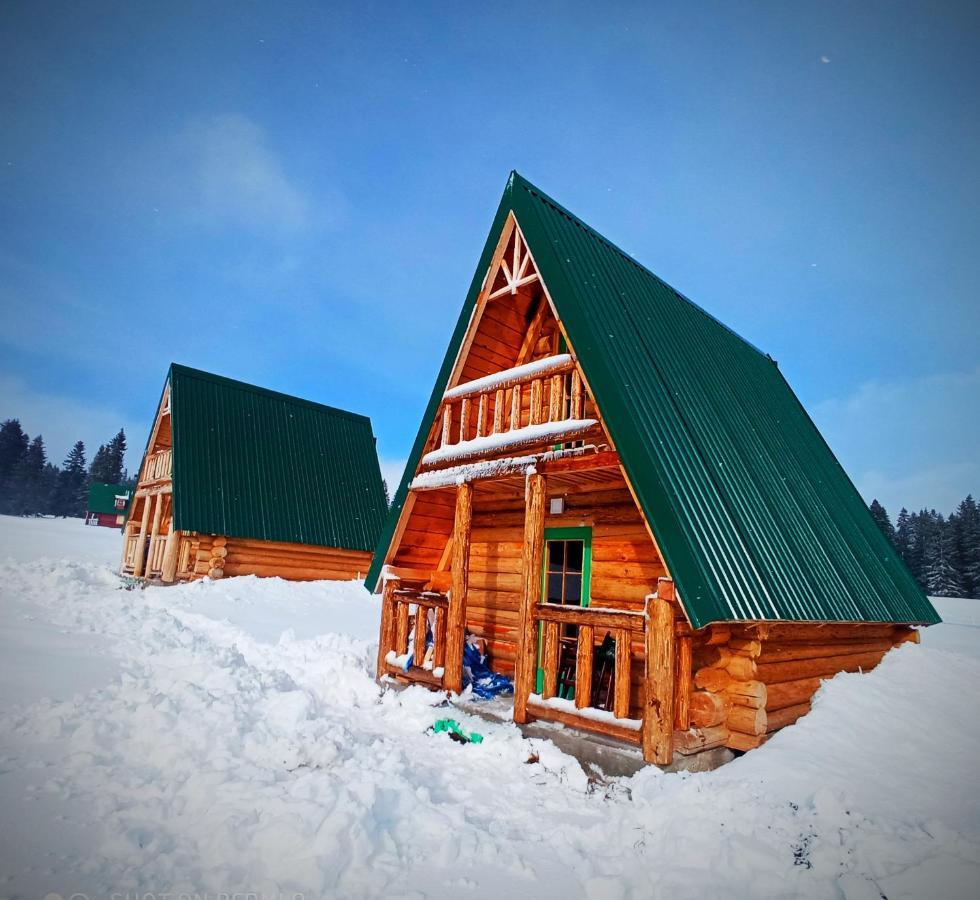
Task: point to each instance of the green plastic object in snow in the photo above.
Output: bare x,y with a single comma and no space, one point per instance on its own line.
451,726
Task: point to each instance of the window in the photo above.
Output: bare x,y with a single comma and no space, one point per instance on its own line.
565,581
567,565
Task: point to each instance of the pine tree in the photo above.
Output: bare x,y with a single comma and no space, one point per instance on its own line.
99,470
965,523
117,457
880,515
71,492
941,576
13,447
28,498
903,535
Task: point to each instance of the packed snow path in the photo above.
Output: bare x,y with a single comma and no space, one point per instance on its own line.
229,736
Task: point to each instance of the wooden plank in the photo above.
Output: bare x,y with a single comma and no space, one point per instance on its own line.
550,660
621,684
555,398
386,637
169,574
421,630
447,423
531,556
533,331
584,654
585,615
456,618
141,540
537,393
439,639
498,412
401,628
576,410
609,729
658,712
685,675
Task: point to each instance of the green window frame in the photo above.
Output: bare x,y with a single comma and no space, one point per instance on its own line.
581,533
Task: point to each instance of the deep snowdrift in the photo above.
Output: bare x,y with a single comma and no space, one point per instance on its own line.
229,737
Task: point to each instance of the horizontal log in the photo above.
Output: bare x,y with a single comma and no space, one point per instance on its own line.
628,735
746,720
694,740
780,718
790,693
817,633
744,742
781,652
793,670
712,679
747,693
750,648
581,615
707,709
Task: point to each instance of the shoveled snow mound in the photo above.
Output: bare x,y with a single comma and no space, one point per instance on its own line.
238,742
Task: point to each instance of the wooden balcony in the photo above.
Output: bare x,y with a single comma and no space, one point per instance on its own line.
536,404
405,611
588,711
159,466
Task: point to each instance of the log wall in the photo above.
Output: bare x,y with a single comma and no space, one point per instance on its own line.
202,555
755,679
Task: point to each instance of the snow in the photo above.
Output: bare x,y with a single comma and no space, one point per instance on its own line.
490,382
229,736
529,434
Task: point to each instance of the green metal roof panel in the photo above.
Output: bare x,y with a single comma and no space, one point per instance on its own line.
253,463
102,497
754,515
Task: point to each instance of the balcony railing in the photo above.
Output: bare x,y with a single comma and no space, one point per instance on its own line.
538,403
408,612
159,465
602,700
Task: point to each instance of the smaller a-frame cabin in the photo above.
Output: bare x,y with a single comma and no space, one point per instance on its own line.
628,503
239,480
107,504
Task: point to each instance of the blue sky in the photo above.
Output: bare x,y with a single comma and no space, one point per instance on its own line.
296,195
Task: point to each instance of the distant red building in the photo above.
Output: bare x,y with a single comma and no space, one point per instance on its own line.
107,505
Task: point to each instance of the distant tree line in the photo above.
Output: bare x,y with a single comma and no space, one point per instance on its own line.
942,553
32,486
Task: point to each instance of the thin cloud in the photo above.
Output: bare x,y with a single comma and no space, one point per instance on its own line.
222,171
909,442
63,420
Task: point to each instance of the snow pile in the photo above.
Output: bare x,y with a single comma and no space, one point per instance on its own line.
238,742
530,434
537,368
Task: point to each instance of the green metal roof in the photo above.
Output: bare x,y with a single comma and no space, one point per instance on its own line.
102,497
254,463
755,517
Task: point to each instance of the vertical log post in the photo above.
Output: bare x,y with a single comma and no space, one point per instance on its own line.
401,627
154,532
439,640
421,630
584,652
658,711
498,412
456,618
530,593
169,573
550,661
621,690
685,675
386,637
141,543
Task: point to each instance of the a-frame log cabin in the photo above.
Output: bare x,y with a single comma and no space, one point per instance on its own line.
626,500
239,480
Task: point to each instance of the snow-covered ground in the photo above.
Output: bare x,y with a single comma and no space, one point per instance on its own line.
229,737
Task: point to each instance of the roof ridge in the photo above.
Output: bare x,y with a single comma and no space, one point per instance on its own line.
224,380
517,179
